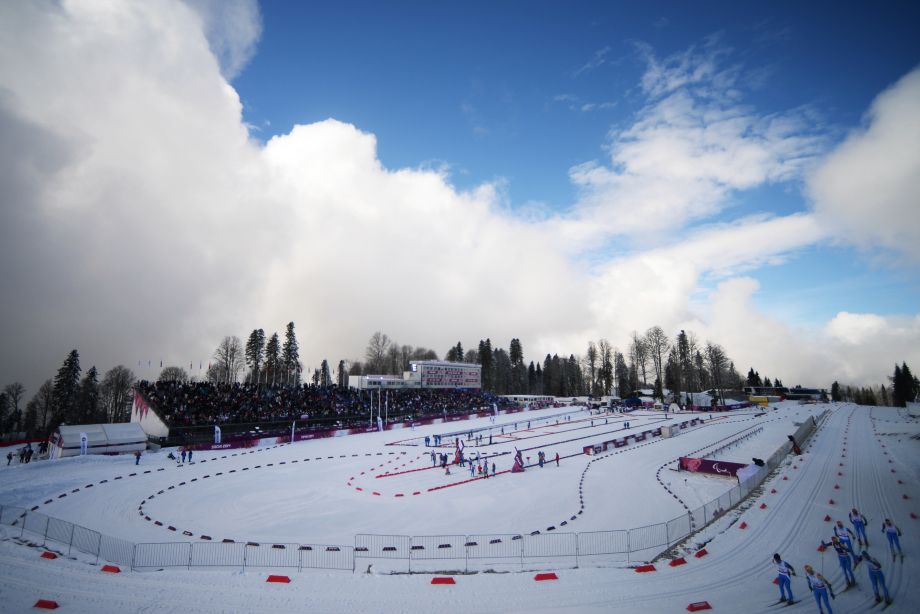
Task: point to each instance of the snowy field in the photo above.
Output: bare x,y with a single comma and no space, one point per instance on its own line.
328,491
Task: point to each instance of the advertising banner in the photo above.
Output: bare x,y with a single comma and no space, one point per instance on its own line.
714,467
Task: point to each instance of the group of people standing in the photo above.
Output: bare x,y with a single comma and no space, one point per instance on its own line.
842,543
25,453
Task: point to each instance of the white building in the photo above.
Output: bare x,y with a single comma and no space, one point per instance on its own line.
424,374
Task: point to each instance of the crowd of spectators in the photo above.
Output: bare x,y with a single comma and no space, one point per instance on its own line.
201,403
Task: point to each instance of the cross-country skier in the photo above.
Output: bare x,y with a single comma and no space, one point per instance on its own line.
846,538
876,576
784,570
183,456
819,587
859,523
892,533
843,557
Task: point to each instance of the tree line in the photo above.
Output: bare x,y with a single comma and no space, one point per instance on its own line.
651,361
904,387
71,397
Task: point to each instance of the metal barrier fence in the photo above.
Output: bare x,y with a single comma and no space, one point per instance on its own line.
403,552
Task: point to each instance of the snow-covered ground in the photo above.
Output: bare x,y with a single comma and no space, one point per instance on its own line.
323,492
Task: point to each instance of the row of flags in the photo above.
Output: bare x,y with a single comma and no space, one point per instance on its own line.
191,365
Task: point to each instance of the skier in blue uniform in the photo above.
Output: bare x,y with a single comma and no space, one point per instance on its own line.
819,587
784,570
876,576
892,533
846,538
859,523
843,557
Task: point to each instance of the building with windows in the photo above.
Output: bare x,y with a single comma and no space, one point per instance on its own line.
424,374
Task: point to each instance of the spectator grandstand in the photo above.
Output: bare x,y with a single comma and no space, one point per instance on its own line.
191,409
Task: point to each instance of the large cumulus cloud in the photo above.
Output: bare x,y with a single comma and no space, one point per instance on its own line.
140,221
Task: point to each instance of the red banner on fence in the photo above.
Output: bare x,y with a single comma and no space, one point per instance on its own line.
702,465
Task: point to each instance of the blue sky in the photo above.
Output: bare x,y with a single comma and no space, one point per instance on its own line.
548,171
478,84
522,92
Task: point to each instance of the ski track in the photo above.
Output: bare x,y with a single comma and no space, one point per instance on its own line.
735,577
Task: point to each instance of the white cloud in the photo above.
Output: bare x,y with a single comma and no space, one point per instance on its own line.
867,189
233,28
597,60
140,220
686,153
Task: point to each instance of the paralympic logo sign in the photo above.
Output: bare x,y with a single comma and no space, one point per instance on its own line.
714,467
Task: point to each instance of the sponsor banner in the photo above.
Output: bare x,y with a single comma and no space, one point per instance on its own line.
713,467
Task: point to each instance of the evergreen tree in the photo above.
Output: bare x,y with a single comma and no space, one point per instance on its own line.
622,374
66,386
88,403
518,370
539,389
273,360
485,359
574,380
753,378
835,391
672,375
255,348
342,375
904,386
531,379
767,382
550,379
704,382
501,372
883,396
290,356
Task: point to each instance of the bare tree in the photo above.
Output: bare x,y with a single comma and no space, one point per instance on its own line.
605,354
638,355
229,360
591,364
43,405
718,363
116,393
14,393
173,374
394,360
376,353
658,345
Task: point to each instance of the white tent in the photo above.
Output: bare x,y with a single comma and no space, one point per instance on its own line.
100,439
